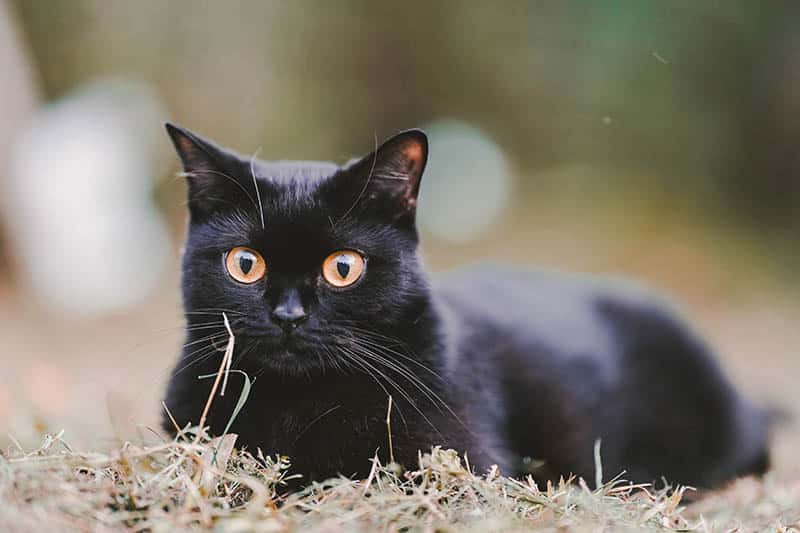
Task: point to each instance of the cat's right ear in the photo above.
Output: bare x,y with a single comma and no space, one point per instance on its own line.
211,173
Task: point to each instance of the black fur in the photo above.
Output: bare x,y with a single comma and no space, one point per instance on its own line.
502,364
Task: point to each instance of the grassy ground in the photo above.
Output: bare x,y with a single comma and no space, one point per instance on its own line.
194,483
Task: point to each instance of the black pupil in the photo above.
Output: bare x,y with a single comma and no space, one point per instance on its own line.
343,267
245,263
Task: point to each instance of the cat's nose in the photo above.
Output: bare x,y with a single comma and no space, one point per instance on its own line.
289,312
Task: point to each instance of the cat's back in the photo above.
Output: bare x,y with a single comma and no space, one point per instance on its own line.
520,286
558,309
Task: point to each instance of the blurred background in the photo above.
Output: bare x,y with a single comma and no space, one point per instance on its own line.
646,139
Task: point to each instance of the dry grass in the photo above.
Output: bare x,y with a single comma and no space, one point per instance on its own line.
185,484
188,484
196,482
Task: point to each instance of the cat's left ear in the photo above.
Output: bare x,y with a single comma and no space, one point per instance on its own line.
390,176
213,174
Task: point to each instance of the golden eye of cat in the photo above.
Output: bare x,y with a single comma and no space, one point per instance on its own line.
245,265
343,268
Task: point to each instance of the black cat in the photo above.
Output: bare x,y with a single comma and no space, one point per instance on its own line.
316,267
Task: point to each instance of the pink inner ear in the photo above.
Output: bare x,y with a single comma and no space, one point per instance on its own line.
414,155
186,145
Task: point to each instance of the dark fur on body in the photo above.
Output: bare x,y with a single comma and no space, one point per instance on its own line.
499,363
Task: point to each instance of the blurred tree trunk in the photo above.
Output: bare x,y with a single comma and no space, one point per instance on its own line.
765,174
18,100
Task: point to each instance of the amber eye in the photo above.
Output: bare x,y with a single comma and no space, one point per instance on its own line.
245,264
343,268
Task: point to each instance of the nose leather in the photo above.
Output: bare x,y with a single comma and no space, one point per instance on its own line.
289,311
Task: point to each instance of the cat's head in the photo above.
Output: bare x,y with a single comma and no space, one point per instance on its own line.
312,263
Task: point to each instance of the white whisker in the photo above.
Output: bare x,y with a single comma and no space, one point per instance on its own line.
366,184
234,180
255,185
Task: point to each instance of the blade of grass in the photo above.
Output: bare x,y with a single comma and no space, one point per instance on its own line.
246,387
228,357
224,368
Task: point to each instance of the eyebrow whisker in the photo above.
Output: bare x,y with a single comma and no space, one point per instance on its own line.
255,185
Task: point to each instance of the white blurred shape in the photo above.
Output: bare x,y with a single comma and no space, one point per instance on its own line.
466,184
86,233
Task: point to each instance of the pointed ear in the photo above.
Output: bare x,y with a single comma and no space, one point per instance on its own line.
389,178
213,174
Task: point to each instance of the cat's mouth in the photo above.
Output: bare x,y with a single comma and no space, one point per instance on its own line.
302,351
278,341
267,349
290,341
